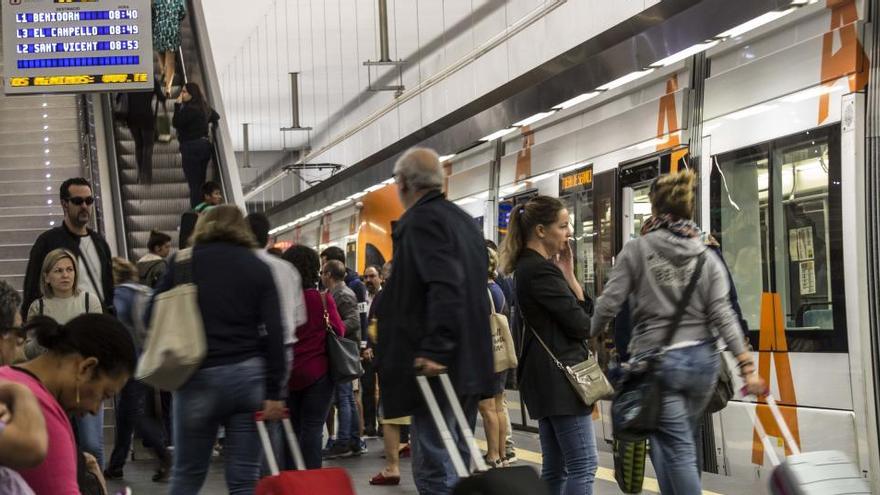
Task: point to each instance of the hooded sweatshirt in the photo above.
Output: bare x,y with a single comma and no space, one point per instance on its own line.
655,269
151,268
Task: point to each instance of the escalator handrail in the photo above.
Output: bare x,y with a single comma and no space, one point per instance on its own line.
115,182
224,153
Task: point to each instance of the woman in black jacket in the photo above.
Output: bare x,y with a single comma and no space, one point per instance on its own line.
192,119
555,308
244,366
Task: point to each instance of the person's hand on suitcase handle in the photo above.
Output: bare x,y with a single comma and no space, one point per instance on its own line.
426,367
754,384
272,410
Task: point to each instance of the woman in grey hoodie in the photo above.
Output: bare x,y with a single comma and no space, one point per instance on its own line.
655,269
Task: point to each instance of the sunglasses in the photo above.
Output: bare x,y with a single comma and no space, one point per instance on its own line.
78,201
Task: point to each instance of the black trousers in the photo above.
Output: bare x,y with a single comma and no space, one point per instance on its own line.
143,152
368,397
130,416
195,155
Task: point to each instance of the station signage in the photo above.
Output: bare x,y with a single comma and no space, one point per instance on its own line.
75,46
576,180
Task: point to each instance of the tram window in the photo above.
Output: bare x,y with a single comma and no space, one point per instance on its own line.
641,209
776,214
804,237
739,224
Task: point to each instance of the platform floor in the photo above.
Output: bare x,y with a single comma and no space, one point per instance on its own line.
361,469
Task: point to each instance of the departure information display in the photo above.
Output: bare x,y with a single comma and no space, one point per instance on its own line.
75,46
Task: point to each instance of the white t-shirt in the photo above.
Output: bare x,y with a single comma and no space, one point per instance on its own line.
89,254
288,284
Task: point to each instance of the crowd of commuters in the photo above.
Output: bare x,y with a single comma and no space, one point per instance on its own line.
73,342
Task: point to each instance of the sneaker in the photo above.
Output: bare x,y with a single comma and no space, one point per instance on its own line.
510,456
113,474
338,451
359,448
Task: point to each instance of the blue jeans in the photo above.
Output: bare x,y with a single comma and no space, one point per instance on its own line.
568,444
90,431
308,410
347,416
131,416
432,467
688,376
226,395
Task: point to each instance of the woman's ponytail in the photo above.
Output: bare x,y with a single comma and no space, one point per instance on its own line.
89,335
49,333
540,210
513,242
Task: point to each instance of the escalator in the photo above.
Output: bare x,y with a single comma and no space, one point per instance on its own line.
160,204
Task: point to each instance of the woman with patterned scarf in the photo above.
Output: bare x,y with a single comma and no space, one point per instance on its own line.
655,269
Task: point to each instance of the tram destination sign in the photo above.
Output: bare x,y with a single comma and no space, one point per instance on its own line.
576,180
76,46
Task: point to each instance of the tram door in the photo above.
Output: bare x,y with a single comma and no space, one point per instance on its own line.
635,183
576,193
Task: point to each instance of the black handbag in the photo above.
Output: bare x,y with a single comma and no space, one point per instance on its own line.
636,405
723,389
344,355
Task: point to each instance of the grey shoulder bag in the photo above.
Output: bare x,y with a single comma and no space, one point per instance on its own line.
586,378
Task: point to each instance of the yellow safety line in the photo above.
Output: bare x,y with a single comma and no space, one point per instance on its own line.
605,474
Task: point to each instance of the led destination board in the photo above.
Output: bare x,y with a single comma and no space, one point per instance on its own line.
74,46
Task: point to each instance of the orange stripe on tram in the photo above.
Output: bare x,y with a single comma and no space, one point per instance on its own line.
773,348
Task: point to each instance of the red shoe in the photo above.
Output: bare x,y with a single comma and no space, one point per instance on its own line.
405,452
382,480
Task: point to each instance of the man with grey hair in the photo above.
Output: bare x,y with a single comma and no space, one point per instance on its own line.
433,316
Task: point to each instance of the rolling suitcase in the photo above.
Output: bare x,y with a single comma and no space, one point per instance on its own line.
302,481
519,480
825,472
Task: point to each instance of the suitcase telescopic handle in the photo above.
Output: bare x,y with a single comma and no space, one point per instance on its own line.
291,442
457,462
783,428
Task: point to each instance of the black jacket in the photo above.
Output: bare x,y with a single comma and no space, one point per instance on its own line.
61,237
435,305
552,310
191,122
240,309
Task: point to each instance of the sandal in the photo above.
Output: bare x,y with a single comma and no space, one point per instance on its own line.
382,480
497,463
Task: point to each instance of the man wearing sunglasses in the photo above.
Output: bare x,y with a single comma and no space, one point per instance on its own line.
93,254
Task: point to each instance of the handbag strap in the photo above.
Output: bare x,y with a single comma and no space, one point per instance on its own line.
552,356
89,274
683,302
327,325
491,302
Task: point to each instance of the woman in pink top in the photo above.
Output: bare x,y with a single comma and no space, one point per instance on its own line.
311,389
89,359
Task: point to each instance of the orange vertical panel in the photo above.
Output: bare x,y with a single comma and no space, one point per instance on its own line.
524,157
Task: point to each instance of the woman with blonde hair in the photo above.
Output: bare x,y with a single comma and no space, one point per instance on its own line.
492,408
63,300
245,367
657,268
